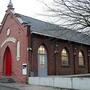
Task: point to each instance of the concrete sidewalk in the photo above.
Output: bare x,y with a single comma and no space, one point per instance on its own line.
18,86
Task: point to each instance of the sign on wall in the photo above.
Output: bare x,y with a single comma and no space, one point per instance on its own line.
24,69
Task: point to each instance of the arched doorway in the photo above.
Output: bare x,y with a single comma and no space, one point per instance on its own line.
42,61
7,62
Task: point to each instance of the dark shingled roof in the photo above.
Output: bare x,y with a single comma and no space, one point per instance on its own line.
52,30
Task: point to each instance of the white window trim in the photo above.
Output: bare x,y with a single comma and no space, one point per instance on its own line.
18,50
9,39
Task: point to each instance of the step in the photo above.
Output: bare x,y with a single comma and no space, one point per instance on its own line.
7,80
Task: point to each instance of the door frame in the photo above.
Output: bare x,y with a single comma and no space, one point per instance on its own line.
7,56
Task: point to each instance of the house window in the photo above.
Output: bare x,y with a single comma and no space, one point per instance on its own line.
81,58
42,54
64,57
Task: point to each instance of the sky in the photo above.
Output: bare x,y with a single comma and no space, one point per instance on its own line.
32,8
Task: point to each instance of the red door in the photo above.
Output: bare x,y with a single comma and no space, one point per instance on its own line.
7,62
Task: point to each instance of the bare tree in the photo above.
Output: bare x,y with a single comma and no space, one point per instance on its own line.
75,13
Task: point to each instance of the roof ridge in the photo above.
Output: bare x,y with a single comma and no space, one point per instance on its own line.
36,19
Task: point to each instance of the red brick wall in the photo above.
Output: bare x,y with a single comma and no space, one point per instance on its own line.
36,42
79,69
19,32
54,60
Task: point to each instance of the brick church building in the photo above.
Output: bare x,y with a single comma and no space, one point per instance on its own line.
31,47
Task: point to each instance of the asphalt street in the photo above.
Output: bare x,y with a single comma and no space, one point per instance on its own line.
17,86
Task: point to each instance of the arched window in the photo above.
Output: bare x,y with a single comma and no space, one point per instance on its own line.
81,58
64,57
42,54
18,50
42,61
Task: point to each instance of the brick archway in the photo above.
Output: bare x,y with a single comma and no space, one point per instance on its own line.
7,62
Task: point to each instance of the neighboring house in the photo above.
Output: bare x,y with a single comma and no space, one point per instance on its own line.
30,47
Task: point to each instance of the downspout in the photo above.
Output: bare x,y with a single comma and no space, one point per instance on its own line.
88,59
29,51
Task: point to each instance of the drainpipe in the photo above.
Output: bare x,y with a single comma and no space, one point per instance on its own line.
29,50
74,61
88,59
